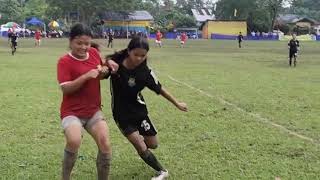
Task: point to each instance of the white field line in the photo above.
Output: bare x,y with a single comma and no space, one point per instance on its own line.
255,115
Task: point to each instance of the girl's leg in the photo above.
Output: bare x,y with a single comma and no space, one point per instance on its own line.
100,133
12,49
73,141
138,142
290,58
151,141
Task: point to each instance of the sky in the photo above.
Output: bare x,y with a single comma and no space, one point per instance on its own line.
285,4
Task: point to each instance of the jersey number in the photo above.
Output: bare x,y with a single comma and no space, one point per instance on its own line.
145,125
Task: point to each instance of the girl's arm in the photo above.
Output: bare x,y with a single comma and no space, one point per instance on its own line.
72,86
113,66
104,72
107,68
180,105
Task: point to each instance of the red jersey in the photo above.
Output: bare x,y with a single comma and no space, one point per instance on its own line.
183,37
37,35
158,36
87,100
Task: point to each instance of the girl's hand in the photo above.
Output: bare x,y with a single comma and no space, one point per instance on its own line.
182,106
113,66
103,69
92,74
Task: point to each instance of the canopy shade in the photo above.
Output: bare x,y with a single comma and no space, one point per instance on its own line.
35,22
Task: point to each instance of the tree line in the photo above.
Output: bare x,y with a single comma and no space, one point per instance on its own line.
168,14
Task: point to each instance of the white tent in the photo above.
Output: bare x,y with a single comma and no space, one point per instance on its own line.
4,29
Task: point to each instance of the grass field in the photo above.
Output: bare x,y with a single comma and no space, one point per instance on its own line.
250,115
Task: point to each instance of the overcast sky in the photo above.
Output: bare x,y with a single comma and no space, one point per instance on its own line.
286,3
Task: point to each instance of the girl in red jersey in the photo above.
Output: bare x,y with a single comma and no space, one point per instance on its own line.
37,37
183,39
78,77
158,38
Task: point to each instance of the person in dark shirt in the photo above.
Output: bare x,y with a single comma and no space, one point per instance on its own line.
9,36
110,38
240,39
14,42
293,46
128,106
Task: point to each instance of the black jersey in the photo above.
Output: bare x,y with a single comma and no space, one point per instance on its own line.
14,37
110,36
9,35
240,38
293,45
126,87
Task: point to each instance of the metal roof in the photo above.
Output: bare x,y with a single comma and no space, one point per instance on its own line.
126,16
202,15
293,18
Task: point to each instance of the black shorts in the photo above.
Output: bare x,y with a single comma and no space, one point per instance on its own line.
292,54
143,125
14,44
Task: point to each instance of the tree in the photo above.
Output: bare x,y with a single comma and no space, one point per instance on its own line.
226,9
272,8
152,6
36,8
260,14
11,11
258,20
88,10
309,8
168,5
182,20
185,6
169,15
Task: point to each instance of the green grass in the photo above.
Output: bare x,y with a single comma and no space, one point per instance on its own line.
213,140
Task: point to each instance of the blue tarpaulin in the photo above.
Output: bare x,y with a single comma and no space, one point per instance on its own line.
35,22
168,35
173,35
234,37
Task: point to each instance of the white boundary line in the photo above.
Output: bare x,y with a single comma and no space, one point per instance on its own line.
255,115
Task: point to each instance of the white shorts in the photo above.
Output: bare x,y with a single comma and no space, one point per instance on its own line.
158,42
86,123
182,42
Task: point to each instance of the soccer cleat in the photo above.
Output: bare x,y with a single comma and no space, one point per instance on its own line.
161,175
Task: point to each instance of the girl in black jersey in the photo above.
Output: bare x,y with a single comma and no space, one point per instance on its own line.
14,42
128,105
294,47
